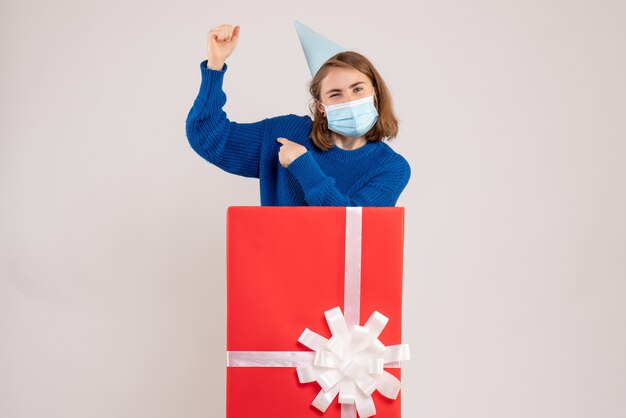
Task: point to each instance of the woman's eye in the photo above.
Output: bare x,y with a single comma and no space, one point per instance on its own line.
358,88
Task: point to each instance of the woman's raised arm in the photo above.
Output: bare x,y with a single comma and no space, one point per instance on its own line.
232,146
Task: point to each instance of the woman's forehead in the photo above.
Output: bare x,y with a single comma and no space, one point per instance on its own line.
342,78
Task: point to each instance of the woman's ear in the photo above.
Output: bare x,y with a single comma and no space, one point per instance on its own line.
320,107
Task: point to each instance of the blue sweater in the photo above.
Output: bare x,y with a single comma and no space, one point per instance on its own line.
372,175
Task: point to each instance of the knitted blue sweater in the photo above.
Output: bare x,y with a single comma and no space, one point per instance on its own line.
372,175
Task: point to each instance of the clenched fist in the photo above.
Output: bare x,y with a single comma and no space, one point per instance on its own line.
289,151
221,43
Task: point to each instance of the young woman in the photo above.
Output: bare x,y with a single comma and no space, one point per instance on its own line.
336,158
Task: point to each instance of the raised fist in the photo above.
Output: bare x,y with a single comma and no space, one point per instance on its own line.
221,43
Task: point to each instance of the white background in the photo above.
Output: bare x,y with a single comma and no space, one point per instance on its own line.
112,229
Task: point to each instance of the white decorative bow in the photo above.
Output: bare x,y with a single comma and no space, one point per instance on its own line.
351,363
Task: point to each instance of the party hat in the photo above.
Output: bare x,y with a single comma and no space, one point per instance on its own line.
317,49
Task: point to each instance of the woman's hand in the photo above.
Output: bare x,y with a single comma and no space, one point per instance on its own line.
221,43
289,151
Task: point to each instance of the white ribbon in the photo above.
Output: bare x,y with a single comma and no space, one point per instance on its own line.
352,271
350,363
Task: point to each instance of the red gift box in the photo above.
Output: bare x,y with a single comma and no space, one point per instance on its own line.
286,266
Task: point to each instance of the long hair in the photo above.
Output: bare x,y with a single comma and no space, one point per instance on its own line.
387,124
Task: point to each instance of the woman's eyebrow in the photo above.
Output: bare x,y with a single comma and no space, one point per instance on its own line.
352,86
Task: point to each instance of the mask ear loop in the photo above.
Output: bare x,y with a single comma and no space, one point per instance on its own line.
314,106
323,113
374,94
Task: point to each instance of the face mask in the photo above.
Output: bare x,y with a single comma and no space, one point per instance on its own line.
354,118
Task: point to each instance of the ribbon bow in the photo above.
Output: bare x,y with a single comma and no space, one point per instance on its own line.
350,363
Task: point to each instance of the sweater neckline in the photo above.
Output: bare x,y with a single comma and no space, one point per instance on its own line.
351,155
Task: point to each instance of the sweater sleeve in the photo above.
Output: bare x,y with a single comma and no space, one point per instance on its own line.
234,147
383,189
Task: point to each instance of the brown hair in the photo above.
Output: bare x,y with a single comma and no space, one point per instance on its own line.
387,124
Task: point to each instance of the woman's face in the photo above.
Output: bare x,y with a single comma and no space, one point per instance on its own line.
343,85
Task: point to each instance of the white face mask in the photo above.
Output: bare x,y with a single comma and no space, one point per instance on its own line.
353,118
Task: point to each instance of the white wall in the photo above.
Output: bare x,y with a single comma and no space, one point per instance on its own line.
112,230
